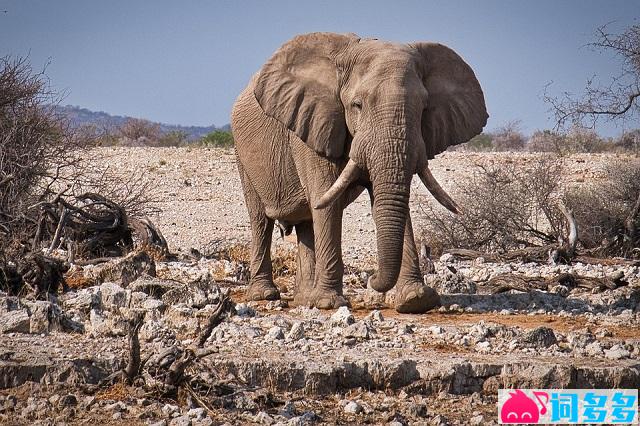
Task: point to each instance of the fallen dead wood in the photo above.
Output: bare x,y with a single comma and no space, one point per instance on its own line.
536,255
506,282
175,368
90,228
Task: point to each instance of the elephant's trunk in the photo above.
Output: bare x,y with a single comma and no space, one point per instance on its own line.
391,181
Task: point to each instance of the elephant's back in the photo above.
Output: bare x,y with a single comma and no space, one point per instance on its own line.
263,149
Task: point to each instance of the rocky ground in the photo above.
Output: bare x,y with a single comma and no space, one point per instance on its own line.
271,363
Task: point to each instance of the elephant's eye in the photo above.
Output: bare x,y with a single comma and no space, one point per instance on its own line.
357,104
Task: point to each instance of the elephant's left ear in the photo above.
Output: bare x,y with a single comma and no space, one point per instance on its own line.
456,110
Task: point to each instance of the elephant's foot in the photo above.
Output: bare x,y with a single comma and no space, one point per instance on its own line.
262,290
414,297
321,299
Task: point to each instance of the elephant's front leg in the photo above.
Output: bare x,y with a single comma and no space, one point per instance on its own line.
329,269
412,295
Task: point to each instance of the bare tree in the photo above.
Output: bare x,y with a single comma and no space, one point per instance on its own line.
140,131
509,137
618,100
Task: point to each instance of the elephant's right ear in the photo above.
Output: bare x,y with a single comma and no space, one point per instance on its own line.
298,86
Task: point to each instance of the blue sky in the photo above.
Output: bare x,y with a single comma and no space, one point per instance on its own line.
184,62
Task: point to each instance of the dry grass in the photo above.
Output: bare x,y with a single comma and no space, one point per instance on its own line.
77,281
116,392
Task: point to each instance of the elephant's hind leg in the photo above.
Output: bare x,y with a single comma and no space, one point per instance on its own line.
261,285
412,295
306,263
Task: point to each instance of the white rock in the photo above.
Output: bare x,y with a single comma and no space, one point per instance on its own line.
352,407
447,257
342,317
435,329
594,349
180,421
483,346
41,314
376,315
197,413
83,300
244,310
360,330
616,352
263,418
275,333
296,332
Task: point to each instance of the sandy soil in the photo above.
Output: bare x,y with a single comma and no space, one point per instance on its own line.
199,193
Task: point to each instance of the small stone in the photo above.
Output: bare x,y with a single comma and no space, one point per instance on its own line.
296,332
180,421
417,410
352,407
594,349
483,346
116,406
539,337
342,317
276,305
477,420
10,402
288,410
447,257
404,329
244,310
68,401
169,409
580,340
359,330
263,418
376,316
197,413
160,423
435,329
275,333
117,415
53,399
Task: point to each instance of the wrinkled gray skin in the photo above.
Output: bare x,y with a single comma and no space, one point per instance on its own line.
329,116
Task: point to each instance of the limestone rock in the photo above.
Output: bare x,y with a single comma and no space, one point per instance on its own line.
15,321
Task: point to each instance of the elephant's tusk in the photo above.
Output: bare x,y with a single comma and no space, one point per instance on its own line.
348,175
436,190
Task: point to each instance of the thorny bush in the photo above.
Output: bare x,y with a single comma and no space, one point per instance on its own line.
505,207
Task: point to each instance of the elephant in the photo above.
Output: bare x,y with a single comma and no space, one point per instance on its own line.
329,116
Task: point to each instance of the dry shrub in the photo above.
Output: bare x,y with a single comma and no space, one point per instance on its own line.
37,146
284,262
504,207
603,209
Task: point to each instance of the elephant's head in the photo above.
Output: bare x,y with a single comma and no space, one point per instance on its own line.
387,108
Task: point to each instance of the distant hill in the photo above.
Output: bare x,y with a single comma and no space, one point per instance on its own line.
82,116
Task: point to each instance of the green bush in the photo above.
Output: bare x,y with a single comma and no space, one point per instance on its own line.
172,138
217,139
480,143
